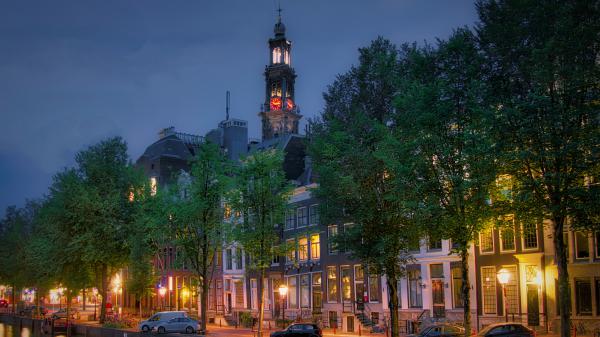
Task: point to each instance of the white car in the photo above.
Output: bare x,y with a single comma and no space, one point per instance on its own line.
158,318
179,324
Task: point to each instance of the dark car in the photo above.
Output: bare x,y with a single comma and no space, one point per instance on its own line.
62,313
3,303
32,310
441,330
299,330
506,329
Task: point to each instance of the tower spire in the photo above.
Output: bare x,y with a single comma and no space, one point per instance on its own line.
227,106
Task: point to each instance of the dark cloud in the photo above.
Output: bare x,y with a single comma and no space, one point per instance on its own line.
74,72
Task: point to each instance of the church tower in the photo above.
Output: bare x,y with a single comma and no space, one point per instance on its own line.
279,113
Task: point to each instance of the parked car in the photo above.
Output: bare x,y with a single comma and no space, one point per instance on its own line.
178,324
441,330
159,317
62,313
31,310
299,330
3,303
506,329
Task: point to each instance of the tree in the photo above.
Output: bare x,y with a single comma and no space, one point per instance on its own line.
104,212
141,276
260,196
543,72
17,228
442,116
196,214
364,177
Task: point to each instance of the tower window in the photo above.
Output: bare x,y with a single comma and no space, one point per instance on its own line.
275,89
276,55
286,57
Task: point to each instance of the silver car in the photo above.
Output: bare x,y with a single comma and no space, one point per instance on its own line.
178,324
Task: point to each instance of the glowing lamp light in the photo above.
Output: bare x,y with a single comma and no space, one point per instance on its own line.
185,292
538,278
162,291
283,289
503,276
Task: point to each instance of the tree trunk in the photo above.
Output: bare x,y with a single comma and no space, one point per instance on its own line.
14,290
37,303
465,290
261,305
564,297
83,297
103,291
141,297
204,304
392,283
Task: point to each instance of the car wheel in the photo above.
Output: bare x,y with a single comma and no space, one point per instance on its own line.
189,330
145,329
161,329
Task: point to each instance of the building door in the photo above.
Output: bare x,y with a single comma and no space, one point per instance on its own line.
437,289
533,305
350,323
229,303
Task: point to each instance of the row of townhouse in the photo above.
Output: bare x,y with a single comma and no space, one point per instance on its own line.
324,284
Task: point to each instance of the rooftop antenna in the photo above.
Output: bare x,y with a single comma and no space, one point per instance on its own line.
227,106
279,10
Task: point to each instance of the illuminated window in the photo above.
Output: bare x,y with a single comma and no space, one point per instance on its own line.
332,285
275,89
317,293
488,285
302,216
512,291
315,247
286,55
530,239
346,283
303,248
153,185
457,286
276,55
486,241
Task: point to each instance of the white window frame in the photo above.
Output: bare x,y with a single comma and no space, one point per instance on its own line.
537,238
495,292
287,213
307,251
311,247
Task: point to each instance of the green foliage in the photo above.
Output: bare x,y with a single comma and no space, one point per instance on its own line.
543,73
196,214
260,196
364,176
443,119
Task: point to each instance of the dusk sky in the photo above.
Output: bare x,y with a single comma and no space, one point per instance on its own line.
75,72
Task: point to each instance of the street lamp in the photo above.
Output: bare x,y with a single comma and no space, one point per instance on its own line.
283,289
503,278
162,291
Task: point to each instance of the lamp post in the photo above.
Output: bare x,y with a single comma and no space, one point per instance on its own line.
503,278
162,291
283,289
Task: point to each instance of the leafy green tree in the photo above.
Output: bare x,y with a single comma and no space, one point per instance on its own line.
364,177
101,210
260,196
443,118
141,276
17,229
543,70
196,214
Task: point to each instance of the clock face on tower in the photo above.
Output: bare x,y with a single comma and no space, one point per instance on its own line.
275,103
289,103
